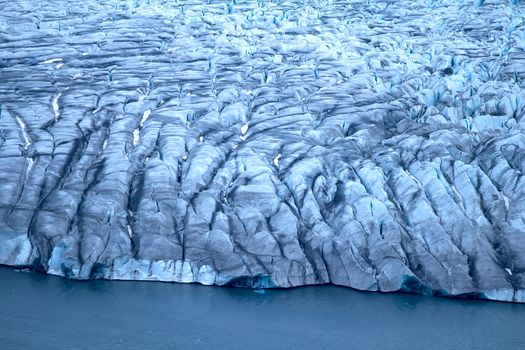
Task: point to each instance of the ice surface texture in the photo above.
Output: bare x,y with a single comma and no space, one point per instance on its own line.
373,144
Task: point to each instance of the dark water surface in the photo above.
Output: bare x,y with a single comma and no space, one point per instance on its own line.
45,312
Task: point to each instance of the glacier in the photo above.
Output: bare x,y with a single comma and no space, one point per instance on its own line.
377,145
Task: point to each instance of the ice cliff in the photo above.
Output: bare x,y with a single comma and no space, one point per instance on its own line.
378,145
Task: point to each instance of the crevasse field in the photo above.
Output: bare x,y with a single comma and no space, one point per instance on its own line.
372,144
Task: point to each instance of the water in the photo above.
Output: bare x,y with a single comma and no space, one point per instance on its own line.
45,312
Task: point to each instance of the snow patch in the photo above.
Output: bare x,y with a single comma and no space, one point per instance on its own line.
136,137
244,129
27,143
53,60
506,201
25,135
30,162
145,117
276,160
56,107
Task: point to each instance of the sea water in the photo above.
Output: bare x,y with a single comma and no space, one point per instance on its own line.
46,312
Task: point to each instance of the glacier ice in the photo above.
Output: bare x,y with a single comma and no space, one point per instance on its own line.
372,144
